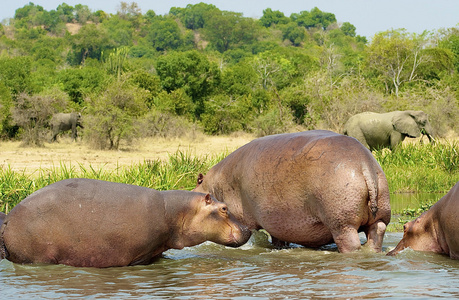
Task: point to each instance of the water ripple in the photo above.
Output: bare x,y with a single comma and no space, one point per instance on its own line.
211,271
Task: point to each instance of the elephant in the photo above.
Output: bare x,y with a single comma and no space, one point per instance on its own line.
61,122
387,130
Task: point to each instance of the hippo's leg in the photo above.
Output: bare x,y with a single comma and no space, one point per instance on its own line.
347,239
375,235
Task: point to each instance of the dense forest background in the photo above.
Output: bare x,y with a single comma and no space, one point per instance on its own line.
201,68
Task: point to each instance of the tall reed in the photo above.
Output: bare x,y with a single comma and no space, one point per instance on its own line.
411,168
180,171
421,168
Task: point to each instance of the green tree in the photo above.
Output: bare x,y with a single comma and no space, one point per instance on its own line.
271,17
223,114
314,18
348,29
176,102
119,31
396,56
226,30
195,16
112,115
191,71
28,12
450,40
65,12
89,42
78,83
6,120
116,63
239,79
164,34
15,73
147,81
294,33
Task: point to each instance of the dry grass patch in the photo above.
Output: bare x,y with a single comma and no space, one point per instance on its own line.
31,159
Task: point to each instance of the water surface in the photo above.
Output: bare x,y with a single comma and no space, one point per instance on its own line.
211,271
401,201
253,271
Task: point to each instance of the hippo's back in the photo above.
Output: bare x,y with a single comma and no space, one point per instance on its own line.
295,157
301,186
447,210
81,222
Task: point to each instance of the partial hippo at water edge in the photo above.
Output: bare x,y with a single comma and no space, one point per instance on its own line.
93,223
436,230
310,188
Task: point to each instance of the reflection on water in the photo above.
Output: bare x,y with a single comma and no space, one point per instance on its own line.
398,202
212,271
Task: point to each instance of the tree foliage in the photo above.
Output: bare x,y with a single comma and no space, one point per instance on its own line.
199,66
114,113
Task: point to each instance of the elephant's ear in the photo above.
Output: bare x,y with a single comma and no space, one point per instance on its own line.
404,123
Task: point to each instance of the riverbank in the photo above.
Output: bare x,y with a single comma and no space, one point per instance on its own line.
174,164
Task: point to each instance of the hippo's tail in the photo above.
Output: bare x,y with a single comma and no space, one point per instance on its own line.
371,181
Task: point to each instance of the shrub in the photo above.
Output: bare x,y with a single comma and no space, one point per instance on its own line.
420,168
164,124
32,114
113,114
276,120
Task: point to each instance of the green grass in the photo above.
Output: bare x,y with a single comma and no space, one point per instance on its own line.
430,168
180,171
412,168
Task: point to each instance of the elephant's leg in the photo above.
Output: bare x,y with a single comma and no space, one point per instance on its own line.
375,235
358,134
396,138
347,239
54,137
74,132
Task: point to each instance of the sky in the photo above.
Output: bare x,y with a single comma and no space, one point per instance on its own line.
368,16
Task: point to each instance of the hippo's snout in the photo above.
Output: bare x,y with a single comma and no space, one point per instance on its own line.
239,236
392,252
397,249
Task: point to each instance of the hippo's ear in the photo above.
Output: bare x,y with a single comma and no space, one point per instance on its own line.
208,199
200,178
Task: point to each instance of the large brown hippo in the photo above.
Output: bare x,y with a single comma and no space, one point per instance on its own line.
93,223
436,230
309,188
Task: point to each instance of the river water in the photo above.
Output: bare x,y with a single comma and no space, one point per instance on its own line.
253,271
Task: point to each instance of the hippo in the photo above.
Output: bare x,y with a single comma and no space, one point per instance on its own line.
435,230
93,223
311,188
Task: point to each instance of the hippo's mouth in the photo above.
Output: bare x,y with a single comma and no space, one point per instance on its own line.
239,238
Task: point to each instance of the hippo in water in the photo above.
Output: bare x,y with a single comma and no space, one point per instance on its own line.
309,188
436,230
93,223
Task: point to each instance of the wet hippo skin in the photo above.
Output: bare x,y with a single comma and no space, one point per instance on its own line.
94,223
311,188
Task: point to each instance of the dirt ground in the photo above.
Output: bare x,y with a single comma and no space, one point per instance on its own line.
69,153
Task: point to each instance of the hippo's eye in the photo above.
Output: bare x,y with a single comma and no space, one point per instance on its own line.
224,209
